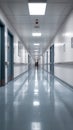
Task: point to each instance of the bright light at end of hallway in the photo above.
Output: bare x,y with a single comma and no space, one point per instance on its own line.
37,8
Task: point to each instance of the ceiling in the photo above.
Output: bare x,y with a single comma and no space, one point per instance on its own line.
18,13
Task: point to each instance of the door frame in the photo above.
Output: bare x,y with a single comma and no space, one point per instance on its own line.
47,60
52,60
2,82
12,56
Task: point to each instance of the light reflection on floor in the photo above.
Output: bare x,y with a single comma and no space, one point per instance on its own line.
37,102
36,126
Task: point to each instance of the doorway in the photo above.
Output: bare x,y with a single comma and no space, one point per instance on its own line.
47,61
2,54
52,59
10,55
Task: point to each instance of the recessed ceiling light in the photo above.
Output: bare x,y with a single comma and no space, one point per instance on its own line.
37,8
35,50
36,44
36,54
36,34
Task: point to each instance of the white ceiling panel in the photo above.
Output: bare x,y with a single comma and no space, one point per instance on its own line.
19,9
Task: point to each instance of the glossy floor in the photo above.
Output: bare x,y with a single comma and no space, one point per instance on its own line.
36,101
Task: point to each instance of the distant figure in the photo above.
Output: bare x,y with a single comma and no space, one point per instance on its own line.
36,64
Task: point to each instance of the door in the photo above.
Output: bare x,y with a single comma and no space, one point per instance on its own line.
10,57
29,65
47,60
2,54
52,59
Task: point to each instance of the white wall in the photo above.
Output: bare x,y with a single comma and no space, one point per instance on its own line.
64,52
65,73
18,69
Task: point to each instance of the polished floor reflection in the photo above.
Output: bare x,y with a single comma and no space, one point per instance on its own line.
36,101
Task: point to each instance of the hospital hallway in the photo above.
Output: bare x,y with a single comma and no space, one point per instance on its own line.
36,101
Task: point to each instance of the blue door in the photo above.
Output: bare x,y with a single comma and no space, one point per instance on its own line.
52,59
10,57
2,55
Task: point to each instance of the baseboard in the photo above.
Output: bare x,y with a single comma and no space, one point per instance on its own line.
60,80
63,82
18,76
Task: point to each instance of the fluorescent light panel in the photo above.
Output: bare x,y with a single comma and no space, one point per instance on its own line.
35,50
36,54
36,34
36,44
37,8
